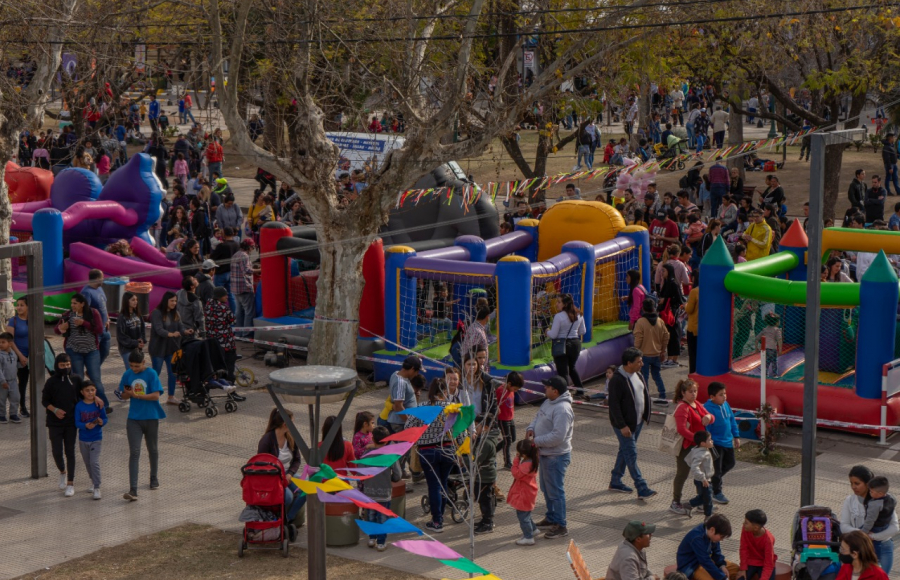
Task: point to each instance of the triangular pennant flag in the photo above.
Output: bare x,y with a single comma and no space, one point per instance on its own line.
466,417
392,526
426,414
395,449
329,498
355,494
428,549
311,487
465,565
465,448
378,460
410,435
324,473
375,506
449,422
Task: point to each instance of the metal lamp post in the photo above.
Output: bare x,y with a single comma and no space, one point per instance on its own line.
819,141
313,385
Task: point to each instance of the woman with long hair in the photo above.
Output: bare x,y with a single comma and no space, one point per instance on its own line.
131,332
18,327
853,516
166,332
436,456
190,259
690,417
635,298
82,327
671,300
340,453
277,441
857,554
568,326
477,388
834,271
179,224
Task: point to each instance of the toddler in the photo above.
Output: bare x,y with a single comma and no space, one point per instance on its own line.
879,508
486,444
90,418
379,488
506,404
772,334
362,433
701,462
523,493
9,381
757,548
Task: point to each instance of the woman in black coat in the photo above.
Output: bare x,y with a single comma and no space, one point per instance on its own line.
277,441
672,299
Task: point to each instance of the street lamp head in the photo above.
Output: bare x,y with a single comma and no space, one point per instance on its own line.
305,384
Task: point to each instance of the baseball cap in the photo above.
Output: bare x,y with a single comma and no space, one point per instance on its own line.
412,362
635,529
558,383
223,181
703,110
208,265
660,214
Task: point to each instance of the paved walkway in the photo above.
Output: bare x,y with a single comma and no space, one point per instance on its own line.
199,471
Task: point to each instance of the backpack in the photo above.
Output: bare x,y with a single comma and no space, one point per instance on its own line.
651,296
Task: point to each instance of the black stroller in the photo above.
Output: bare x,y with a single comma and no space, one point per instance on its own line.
816,537
200,366
456,496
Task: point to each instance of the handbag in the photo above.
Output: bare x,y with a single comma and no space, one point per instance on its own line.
558,345
670,440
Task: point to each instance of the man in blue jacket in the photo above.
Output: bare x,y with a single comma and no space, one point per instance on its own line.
699,554
153,113
725,436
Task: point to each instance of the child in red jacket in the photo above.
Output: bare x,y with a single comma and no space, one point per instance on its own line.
523,493
757,548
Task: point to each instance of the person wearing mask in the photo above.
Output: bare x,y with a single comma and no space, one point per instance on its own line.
858,558
222,255
629,411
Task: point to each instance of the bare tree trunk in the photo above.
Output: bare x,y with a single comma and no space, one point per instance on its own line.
736,137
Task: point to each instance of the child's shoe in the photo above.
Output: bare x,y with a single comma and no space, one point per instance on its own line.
381,547
371,542
118,394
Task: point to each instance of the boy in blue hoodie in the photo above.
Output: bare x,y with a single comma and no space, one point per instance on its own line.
699,554
90,419
724,431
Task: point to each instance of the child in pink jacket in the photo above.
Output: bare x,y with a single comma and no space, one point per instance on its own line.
182,172
523,493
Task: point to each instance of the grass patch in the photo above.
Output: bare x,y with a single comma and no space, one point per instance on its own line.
195,552
781,457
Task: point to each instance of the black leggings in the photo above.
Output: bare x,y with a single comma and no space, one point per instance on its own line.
565,365
62,439
23,386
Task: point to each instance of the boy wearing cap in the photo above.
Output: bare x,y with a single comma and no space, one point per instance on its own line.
205,283
403,396
551,430
630,561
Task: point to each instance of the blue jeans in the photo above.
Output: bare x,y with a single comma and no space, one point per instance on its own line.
158,365
246,309
378,518
293,502
584,152
104,346
553,475
527,524
224,280
651,365
91,362
690,134
215,168
437,467
627,457
890,176
700,139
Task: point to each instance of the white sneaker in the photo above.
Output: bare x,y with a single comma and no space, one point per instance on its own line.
97,493
70,490
90,489
523,541
62,481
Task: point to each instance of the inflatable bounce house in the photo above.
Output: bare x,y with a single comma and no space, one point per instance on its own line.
78,216
578,247
856,338
287,297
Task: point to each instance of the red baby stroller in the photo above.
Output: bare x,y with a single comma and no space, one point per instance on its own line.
263,485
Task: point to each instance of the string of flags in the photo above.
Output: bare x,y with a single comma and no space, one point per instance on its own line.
468,195
330,487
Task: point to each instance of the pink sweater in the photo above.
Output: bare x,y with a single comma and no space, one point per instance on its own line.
523,493
637,302
181,167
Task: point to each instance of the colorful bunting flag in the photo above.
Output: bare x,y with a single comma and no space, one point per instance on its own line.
392,526
428,549
466,418
465,448
394,449
426,414
378,460
410,435
311,487
465,565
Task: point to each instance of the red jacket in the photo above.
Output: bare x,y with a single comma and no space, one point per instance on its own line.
689,420
214,152
758,551
523,493
873,572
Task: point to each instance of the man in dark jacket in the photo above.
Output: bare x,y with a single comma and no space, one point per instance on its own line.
889,158
629,410
875,197
205,285
857,192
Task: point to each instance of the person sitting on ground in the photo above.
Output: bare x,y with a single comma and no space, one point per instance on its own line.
699,554
630,561
757,548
